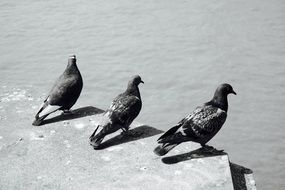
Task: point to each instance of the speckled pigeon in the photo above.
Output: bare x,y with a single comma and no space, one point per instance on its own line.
121,113
201,125
63,94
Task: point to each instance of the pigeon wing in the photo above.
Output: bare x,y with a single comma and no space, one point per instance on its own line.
60,95
124,109
66,90
204,123
172,130
199,126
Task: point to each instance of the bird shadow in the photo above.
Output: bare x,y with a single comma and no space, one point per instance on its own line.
137,133
195,154
77,113
238,176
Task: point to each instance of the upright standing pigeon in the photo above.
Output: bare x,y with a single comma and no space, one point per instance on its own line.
201,125
64,93
121,113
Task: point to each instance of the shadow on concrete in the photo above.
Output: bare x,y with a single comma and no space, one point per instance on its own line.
77,113
137,133
238,176
198,153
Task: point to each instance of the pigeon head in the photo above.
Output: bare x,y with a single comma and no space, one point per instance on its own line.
135,80
225,89
220,99
71,60
71,66
133,86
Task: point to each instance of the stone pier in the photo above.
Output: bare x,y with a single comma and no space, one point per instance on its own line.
57,155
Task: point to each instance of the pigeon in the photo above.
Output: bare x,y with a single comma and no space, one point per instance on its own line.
121,113
201,125
63,94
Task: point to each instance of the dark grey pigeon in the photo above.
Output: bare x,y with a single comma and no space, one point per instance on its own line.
201,125
63,94
121,113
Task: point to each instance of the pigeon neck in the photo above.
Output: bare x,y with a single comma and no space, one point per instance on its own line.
71,68
220,100
133,90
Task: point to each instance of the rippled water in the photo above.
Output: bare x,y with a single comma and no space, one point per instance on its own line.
181,49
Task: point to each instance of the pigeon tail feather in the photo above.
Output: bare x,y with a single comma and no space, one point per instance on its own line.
97,138
48,110
44,111
38,120
164,149
171,131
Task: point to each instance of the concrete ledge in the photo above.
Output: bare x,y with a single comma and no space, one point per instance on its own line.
57,155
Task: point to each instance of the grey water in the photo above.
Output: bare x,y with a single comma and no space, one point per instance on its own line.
182,50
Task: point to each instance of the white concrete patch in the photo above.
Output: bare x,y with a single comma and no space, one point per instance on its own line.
66,142
105,158
190,165
93,122
19,111
79,125
65,123
177,151
15,96
1,137
34,136
143,168
52,131
177,172
68,162
200,160
115,148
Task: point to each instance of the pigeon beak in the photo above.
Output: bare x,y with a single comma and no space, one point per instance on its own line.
142,81
233,92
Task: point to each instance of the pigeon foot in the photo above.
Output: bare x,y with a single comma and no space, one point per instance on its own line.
129,133
211,149
66,112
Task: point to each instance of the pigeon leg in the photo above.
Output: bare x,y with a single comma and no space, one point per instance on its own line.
210,149
94,133
124,130
128,132
66,112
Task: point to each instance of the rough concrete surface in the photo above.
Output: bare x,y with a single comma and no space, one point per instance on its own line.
57,155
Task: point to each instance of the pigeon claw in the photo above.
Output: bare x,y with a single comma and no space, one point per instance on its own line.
211,150
66,112
37,121
95,145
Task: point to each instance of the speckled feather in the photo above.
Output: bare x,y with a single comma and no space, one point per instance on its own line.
200,126
122,111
